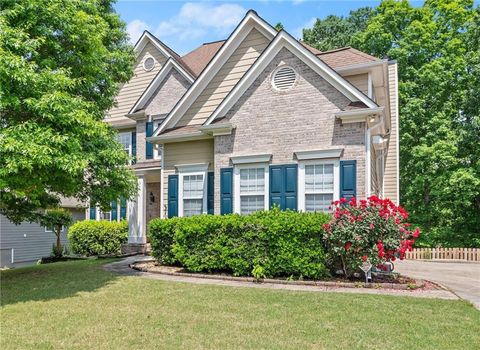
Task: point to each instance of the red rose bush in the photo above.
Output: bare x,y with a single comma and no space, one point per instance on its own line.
374,230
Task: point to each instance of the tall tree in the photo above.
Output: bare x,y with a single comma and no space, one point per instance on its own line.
438,54
61,63
337,31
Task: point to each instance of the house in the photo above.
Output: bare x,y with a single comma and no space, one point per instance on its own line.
257,120
26,243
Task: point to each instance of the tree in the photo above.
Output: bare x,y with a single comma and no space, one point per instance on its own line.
61,64
337,31
279,26
438,54
57,219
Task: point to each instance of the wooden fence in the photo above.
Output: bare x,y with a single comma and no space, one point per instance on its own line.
467,254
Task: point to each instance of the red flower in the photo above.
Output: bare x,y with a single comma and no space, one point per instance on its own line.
381,254
416,233
372,226
364,258
347,246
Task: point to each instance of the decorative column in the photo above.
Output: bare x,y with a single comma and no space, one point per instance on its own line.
137,215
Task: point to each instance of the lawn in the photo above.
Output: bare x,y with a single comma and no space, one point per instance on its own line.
77,305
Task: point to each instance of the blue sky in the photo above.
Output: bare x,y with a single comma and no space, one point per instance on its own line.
184,25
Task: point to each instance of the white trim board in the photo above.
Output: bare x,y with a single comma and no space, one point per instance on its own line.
285,40
250,21
144,39
153,86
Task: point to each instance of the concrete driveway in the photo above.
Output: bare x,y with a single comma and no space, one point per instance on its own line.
463,278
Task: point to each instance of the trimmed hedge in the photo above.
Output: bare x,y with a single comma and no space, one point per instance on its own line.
265,244
91,237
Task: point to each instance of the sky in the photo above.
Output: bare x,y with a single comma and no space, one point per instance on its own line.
185,25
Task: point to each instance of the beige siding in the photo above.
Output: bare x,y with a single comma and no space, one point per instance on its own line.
390,182
131,91
235,67
360,81
184,153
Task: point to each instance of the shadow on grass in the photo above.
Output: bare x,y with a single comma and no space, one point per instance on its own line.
53,281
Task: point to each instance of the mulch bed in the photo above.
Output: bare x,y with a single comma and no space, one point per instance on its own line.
383,282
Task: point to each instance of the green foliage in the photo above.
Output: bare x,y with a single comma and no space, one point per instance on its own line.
337,31
438,53
56,219
91,237
61,63
279,26
269,243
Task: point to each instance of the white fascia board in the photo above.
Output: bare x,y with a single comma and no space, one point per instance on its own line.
152,87
283,39
217,129
359,115
250,21
361,67
319,154
248,159
193,136
188,168
144,39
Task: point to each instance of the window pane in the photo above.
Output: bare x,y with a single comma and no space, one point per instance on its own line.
319,177
193,186
318,202
125,139
252,180
250,204
192,207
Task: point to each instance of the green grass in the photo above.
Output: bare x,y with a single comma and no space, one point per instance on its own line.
77,305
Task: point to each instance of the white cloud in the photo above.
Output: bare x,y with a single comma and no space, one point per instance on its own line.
135,29
298,32
297,2
197,19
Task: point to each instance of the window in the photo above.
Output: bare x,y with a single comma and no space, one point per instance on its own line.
157,152
125,139
318,184
105,215
252,190
149,63
49,229
193,188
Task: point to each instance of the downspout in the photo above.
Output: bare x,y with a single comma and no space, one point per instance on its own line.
162,163
368,160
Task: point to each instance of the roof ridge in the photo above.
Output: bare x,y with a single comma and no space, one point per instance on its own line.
334,50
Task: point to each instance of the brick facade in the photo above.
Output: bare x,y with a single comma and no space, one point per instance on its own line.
281,123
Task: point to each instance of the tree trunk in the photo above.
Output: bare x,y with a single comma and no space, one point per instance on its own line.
58,231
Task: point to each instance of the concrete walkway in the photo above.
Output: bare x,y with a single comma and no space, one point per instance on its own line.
463,278
122,267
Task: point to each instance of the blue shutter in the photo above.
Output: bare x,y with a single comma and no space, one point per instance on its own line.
114,210
93,212
283,186
348,179
149,145
210,192
123,208
226,190
172,196
134,147
291,186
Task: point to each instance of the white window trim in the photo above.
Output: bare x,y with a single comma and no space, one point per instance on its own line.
47,230
157,152
145,61
129,133
183,171
301,179
236,184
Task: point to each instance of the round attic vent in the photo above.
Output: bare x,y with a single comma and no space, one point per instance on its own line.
284,78
148,63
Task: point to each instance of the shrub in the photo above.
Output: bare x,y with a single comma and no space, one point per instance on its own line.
373,230
97,237
56,219
269,243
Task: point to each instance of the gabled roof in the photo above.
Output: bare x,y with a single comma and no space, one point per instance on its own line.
345,56
283,39
251,20
198,59
155,83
